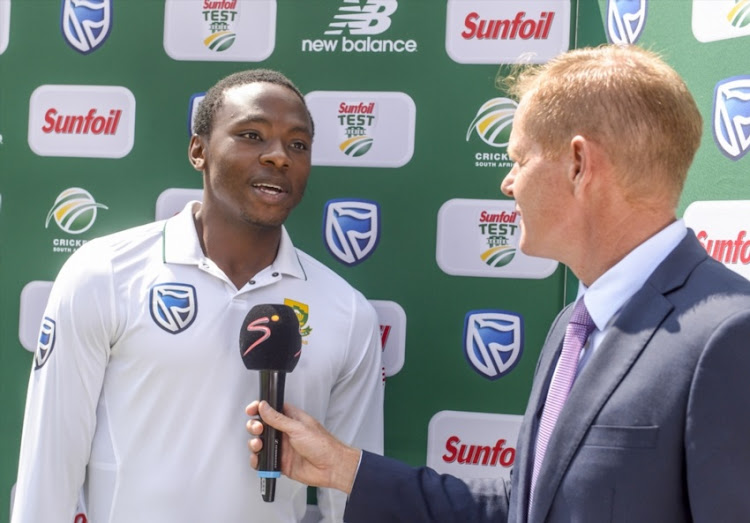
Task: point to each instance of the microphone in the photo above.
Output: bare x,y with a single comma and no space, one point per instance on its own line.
270,342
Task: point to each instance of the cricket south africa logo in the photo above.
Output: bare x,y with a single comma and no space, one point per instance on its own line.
493,341
302,311
353,27
720,19
732,116
173,306
351,229
494,121
625,20
498,237
46,342
74,211
86,24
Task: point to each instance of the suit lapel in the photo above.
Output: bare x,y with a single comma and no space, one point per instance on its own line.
628,336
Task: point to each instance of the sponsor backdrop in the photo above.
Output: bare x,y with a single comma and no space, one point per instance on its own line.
96,105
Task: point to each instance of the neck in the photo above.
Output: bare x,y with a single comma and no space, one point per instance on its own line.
240,250
609,239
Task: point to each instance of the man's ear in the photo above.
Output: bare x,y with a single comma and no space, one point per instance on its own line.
196,153
579,158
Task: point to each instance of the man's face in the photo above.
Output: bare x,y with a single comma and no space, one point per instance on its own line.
257,158
542,194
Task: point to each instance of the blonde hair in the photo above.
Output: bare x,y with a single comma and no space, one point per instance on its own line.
626,99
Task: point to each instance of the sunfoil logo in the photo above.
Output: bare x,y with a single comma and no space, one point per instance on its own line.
74,211
353,26
720,19
625,20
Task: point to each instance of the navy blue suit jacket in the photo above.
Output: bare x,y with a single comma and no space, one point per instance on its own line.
656,427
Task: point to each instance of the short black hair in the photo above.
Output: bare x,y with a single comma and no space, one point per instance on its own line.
214,98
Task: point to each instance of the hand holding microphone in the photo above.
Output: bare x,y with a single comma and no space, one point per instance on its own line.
270,342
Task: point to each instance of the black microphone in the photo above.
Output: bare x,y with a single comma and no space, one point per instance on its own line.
270,342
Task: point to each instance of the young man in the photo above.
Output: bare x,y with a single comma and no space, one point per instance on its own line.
639,407
138,397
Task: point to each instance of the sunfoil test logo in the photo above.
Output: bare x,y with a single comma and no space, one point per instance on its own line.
74,212
86,24
481,238
351,229
498,233
493,341
493,124
220,30
732,116
625,20
353,27
720,19
362,128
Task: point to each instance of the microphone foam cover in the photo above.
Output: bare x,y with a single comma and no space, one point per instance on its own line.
270,338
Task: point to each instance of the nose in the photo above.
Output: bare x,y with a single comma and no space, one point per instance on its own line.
275,154
507,184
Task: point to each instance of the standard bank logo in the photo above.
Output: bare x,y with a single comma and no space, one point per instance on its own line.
351,229
362,129
493,341
74,211
4,26
173,306
625,20
720,19
506,31
81,120
86,24
355,24
732,116
480,238
195,101
220,30
46,342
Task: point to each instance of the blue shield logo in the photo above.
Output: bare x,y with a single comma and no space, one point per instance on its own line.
732,116
173,306
351,229
46,342
195,101
625,20
493,341
86,23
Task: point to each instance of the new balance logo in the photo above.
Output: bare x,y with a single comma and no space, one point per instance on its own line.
370,19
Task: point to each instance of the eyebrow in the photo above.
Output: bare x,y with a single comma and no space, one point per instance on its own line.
259,119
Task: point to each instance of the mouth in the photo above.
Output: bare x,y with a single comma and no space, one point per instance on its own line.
269,188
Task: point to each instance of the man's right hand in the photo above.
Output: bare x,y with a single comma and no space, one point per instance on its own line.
309,453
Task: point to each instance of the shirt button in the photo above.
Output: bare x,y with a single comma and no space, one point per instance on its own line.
251,282
275,274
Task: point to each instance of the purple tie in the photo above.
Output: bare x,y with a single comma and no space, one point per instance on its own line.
576,333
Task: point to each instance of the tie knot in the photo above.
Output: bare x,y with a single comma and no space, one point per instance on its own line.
582,317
